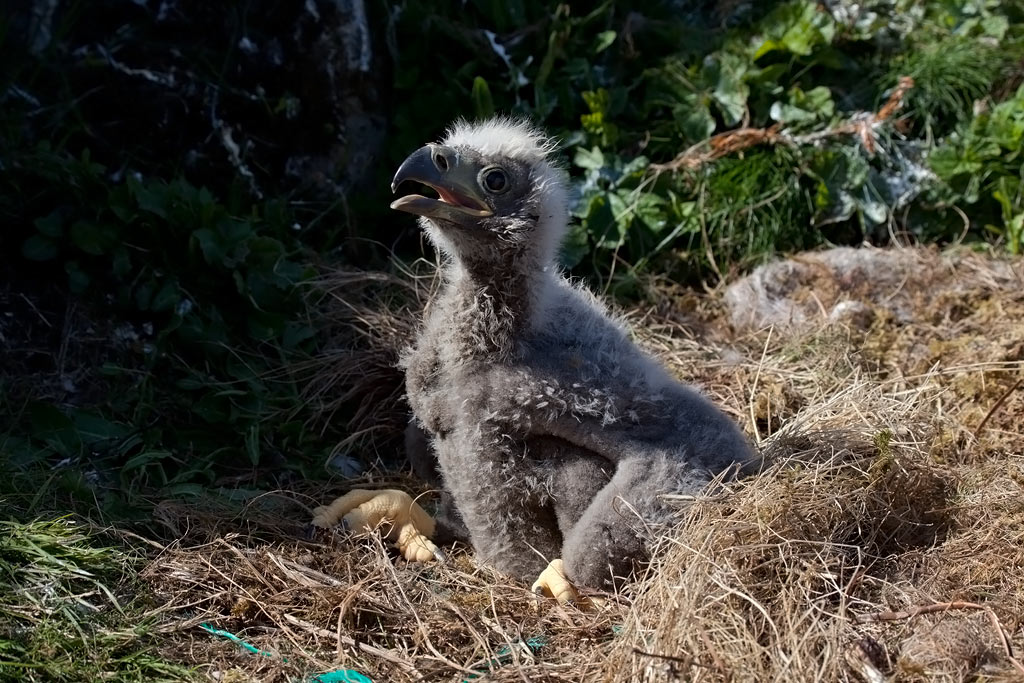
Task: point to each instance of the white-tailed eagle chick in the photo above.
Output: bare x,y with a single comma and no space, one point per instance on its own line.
554,435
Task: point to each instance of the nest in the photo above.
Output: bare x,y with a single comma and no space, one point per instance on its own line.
879,541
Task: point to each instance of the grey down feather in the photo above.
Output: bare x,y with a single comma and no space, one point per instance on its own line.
553,434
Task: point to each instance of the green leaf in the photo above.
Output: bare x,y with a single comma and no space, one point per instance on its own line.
150,196
614,233
144,294
213,253
47,418
78,280
604,41
796,27
652,211
95,428
597,101
51,225
1015,234
92,238
589,159
296,333
995,26
252,444
39,248
695,122
166,298
726,75
122,262
599,222
54,428
184,490
948,163
801,108
575,246
483,103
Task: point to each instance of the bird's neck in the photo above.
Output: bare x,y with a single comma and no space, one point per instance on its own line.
493,306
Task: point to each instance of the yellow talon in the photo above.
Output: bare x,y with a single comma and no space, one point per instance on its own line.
363,511
552,583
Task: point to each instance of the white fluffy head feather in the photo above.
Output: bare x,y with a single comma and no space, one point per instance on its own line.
515,138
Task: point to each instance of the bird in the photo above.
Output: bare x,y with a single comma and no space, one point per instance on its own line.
553,435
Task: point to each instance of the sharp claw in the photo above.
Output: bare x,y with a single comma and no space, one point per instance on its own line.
344,524
440,556
309,532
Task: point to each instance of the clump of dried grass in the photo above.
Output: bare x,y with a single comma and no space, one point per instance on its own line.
880,541
368,318
765,582
349,603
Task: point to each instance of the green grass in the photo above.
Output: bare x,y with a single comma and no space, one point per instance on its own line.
71,610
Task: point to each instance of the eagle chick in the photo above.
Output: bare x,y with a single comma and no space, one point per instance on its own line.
553,434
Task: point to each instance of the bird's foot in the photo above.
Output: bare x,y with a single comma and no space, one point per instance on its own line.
404,522
553,583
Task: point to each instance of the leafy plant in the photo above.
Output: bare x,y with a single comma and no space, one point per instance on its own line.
214,295
982,165
701,138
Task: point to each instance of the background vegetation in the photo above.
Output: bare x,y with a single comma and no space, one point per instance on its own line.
163,234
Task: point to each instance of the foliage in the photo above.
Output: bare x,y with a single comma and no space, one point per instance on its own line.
982,166
204,299
201,274
212,290
625,87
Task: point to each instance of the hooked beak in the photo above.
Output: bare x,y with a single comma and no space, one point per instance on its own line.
439,168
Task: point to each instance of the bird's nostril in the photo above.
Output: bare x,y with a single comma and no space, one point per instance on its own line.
440,161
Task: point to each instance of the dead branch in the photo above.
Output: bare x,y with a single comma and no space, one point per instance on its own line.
945,607
862,124
351,642
995,407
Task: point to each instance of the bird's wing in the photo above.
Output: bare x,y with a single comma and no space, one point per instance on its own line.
611,420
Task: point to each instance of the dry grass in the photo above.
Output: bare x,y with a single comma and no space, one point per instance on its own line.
882,540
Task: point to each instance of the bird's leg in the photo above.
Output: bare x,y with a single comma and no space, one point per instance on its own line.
407,525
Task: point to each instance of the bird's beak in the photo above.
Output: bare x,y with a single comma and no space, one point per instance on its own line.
439,167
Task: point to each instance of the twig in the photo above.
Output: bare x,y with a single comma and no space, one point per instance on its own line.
753,388
368,649
686,661
294,568
995,407
945,607
739,139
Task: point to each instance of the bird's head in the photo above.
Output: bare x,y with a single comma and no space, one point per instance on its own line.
499,192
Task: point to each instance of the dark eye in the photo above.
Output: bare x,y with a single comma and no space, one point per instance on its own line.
495,180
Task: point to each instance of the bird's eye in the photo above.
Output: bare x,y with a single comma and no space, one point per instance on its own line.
494,180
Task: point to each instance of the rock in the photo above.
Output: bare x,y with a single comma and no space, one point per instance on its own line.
853,286
347,466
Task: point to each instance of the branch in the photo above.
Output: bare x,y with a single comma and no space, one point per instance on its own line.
945,607
862,124
995,407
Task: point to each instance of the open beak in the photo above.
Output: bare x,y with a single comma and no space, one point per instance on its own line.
439,168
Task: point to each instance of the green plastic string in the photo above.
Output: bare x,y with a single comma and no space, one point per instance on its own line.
235,639
339,676
505,654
